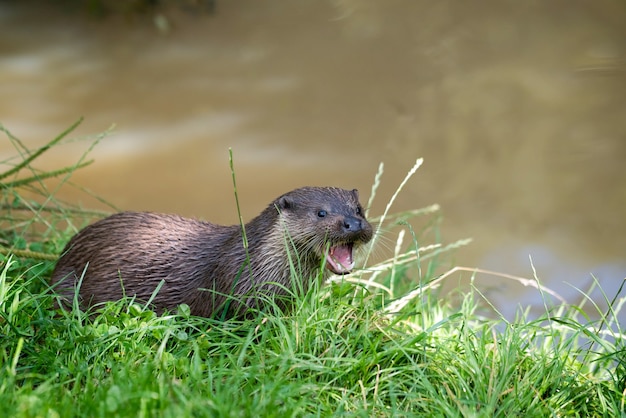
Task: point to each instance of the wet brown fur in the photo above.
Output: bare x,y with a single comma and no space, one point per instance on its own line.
200,263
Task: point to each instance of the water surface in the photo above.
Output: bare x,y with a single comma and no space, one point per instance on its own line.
518,109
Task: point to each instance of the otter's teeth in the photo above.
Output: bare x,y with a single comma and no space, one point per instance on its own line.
339,259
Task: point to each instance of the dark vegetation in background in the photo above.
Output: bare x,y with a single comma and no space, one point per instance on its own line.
129,8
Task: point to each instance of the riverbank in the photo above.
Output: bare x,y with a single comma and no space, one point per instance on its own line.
386,341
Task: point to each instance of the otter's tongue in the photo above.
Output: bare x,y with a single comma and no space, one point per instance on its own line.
339,259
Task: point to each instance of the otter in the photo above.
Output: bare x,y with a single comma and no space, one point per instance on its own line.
168,260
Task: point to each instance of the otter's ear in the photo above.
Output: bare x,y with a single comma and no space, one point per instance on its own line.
285,202
355,192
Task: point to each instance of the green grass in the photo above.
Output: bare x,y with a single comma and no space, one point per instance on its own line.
382,342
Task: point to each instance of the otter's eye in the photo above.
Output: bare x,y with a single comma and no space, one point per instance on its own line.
321,213
359,210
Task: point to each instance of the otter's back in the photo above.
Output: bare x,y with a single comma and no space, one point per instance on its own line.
130,253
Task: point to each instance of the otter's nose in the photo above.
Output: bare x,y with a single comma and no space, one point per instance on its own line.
351,224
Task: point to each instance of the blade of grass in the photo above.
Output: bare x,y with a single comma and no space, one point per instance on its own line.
39,151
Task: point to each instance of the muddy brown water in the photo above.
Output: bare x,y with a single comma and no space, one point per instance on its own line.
518,109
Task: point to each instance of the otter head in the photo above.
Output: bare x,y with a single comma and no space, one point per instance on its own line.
326,222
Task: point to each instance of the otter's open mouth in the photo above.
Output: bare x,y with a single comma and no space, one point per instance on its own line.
339,259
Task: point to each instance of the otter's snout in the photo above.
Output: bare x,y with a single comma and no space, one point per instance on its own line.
352,224
357,229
